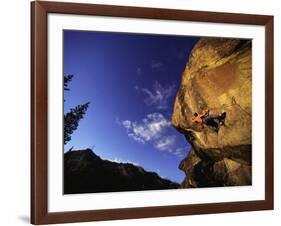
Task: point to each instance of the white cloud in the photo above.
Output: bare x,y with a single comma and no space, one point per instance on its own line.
181,152
166,143
123,161
126,124
158,96
154,129
136,138
139,71
156,65
149,129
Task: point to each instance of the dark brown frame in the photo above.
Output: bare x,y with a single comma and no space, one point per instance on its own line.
39,107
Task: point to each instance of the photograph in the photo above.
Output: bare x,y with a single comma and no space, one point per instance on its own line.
143,112
153,111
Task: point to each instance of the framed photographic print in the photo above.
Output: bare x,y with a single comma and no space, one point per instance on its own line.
147,112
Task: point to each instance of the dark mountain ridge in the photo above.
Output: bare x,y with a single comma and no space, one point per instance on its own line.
86,172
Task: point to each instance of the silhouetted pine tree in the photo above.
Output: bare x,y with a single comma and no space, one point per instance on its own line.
66,80
72,118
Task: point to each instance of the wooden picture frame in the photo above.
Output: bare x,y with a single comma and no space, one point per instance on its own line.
39,112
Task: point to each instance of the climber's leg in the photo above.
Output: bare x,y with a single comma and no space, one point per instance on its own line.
212,120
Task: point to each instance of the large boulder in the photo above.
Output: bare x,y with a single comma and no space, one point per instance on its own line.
218,77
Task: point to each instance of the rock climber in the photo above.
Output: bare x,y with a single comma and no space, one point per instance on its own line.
213,120
198,118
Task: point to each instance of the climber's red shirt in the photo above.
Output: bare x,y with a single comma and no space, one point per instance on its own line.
199,118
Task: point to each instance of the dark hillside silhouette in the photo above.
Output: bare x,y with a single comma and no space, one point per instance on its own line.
86,172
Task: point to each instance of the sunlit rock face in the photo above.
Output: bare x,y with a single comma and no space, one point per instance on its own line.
218,77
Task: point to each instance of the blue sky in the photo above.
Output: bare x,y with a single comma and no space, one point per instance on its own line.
131,81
